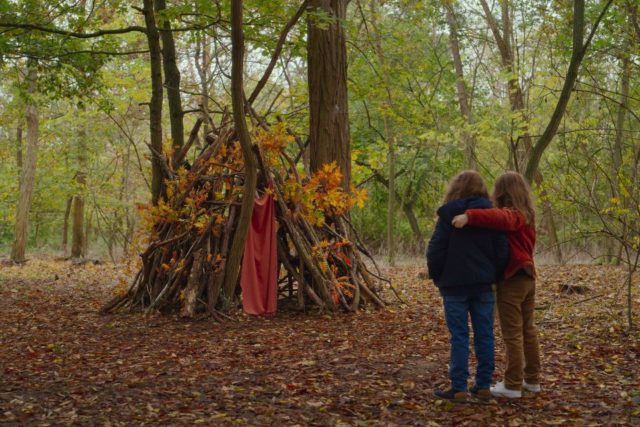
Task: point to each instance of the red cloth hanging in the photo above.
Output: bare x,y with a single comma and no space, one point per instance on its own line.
258,279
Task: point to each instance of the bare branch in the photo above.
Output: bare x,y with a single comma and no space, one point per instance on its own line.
99,33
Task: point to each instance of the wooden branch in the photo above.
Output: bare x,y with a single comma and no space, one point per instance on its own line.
276,53
495,29
193,135
99,33
579,50
92,52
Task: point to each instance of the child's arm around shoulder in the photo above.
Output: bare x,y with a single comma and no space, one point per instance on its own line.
495,218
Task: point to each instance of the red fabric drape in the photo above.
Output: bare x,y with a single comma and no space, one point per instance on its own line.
258,279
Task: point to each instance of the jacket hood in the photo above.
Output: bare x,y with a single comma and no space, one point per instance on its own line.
459,206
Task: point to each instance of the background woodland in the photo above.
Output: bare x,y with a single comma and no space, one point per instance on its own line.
433,87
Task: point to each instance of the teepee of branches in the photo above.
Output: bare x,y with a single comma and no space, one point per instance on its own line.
321,261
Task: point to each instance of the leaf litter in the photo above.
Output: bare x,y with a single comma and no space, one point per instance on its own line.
62,363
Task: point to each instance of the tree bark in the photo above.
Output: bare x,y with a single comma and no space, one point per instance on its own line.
202,63
250,162
155,105
461,90
125,197
87,234
19,159
28,171
632,9
77,228
327,77
616,155
65,225
171,78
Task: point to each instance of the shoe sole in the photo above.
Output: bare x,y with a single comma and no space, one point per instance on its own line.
533,388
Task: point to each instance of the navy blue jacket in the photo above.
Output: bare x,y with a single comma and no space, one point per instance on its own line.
465,261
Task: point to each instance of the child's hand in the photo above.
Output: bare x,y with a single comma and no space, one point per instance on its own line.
460,221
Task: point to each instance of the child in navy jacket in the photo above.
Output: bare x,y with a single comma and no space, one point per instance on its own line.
464,263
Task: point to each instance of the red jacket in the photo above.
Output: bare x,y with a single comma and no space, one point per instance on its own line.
521,236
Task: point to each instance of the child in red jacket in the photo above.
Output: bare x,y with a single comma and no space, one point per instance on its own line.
514,214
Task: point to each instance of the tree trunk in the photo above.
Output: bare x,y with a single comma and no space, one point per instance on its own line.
407,208
391,206
155,105
171,78
19,159
520,148
77,229
463,97
250,161
65,225
202,63
28,175
327,77
87,235
124,196
620,119
616,155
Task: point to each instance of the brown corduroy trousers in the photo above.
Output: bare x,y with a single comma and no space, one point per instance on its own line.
516,304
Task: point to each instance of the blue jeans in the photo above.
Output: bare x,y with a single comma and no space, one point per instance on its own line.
456,312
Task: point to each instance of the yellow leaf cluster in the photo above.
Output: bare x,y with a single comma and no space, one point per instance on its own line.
322,195
272,142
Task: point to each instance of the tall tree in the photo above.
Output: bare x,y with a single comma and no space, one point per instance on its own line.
171,77
65,224
463,96
203,64
19,147
329,138
519,149
250,161
78,223
28,175
155,104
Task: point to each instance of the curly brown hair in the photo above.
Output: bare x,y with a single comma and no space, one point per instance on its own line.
467,183
512,191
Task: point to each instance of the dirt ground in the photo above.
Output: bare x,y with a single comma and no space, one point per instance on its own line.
61,363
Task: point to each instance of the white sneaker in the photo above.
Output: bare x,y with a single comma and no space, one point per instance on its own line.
499,390
533,388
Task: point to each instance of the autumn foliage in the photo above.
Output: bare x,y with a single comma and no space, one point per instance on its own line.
190,230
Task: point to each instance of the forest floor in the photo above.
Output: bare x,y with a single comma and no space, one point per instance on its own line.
61,363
